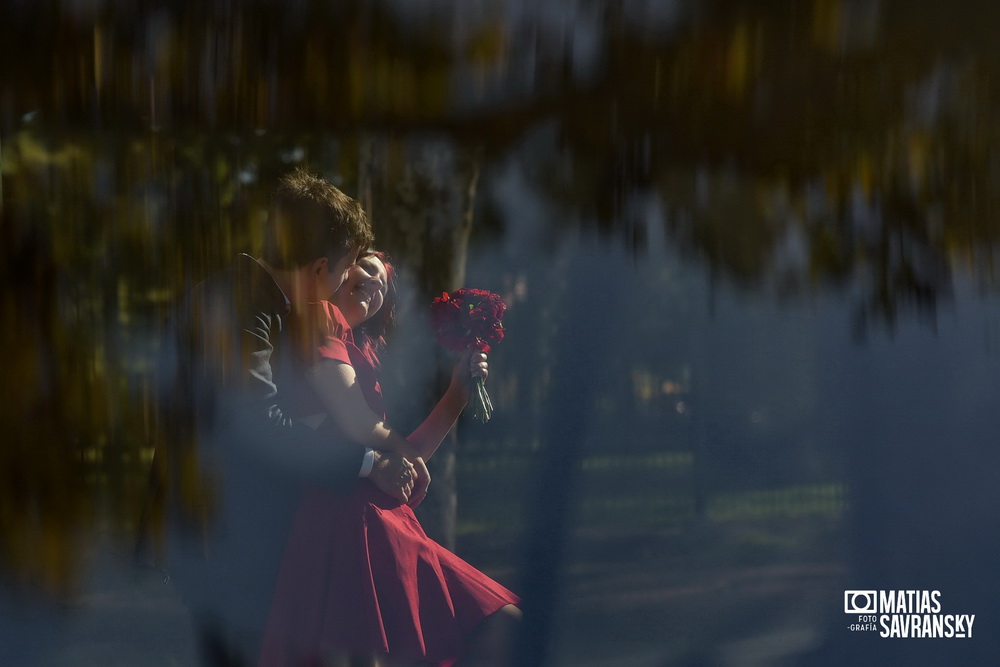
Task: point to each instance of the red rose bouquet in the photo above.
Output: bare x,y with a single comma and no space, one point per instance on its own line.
470,318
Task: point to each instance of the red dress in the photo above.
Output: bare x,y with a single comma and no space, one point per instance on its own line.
359,574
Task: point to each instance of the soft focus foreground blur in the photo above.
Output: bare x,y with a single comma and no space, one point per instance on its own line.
751,354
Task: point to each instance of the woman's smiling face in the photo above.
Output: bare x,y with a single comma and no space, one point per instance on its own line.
363,292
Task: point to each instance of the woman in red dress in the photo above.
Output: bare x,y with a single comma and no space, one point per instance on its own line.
360,578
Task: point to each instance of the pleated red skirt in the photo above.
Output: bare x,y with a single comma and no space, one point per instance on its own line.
360,576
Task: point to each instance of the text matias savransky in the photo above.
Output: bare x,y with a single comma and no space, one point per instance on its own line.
905,613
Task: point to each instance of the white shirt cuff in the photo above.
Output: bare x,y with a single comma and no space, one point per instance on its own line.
367,463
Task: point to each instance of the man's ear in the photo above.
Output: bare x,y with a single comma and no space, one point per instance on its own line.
319,265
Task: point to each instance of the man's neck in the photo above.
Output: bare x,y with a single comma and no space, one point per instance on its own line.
287,281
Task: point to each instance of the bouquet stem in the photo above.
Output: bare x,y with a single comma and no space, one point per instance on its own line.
482,407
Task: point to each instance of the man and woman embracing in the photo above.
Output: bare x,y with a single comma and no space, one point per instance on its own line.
312,554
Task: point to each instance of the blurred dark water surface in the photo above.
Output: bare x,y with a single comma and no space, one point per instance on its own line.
748,249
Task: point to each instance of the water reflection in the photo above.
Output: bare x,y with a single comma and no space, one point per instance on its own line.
757,238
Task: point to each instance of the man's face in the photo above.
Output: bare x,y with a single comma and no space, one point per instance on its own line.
338,273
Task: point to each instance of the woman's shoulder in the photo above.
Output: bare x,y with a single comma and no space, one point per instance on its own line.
335,337
331,321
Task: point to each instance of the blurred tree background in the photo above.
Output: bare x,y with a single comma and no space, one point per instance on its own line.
670,195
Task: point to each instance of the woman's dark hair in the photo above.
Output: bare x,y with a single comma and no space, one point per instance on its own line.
369,336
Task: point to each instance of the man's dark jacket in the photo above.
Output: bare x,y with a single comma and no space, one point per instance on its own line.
237,367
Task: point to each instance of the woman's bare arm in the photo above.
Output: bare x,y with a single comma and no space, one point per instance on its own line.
337,385
429,435
338,389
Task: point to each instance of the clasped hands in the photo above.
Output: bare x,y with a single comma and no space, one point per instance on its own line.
405,478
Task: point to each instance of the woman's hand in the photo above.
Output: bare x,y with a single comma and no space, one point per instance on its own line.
393,474
471,364
405,479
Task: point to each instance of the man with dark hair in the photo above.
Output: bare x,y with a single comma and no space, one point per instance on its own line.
237,369
309,216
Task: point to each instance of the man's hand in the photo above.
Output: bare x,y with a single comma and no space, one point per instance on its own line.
394,475
421,483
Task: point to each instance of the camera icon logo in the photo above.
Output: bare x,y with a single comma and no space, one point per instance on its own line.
860,602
